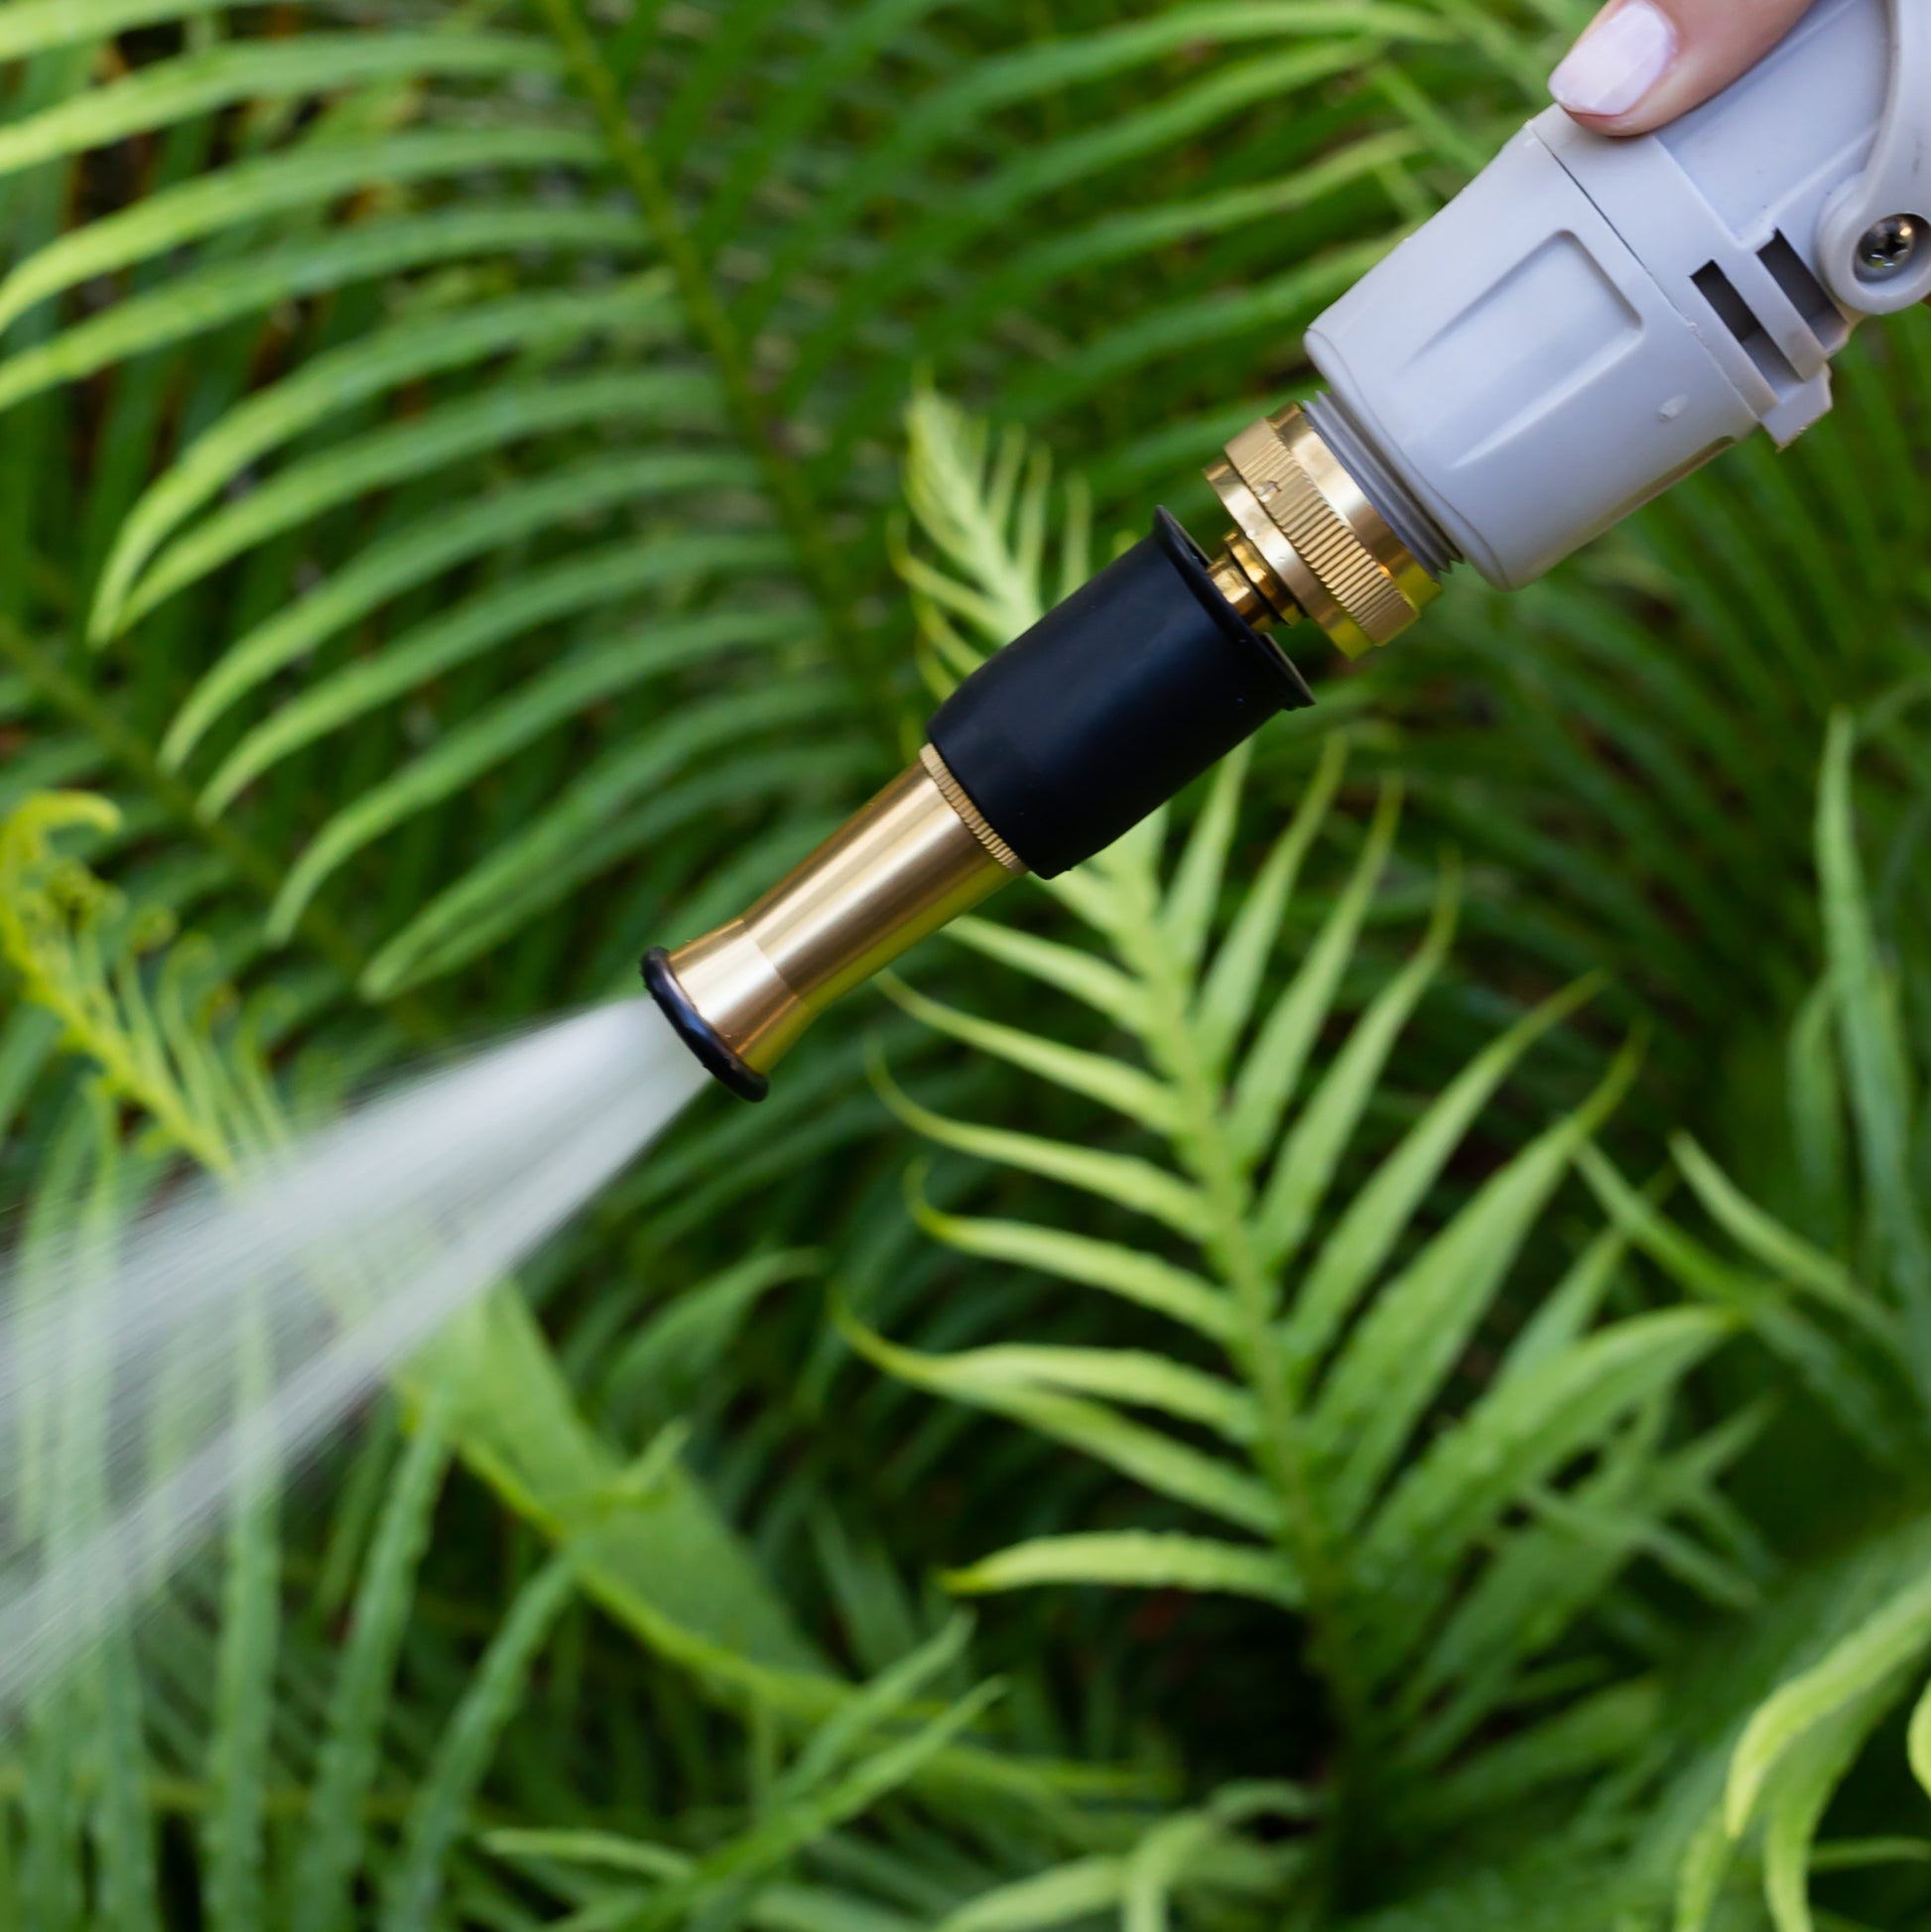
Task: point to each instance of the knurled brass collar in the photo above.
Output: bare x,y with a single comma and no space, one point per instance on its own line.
1321,545
970,815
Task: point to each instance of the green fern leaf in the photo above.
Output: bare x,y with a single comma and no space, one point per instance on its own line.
1123,1179
340,379
1099,1076
1130,1274
1147,1456
386,457
202,207
1227,1002
1312,1151
1871,1656
418,555
204,301
1407,1342
171,90
1134,1560
410,1893
334,1824
1062,1896
1368,1231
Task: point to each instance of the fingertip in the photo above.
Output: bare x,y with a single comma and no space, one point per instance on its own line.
1615,69
1640,64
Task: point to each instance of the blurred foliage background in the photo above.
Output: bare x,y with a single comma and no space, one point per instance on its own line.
1401,1295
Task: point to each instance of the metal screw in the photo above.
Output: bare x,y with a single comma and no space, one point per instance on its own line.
1889,248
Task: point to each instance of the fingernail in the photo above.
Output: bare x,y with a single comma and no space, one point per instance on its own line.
1618,62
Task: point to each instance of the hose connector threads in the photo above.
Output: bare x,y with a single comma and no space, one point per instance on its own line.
1309,541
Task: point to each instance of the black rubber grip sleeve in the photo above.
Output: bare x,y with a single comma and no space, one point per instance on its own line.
1112,703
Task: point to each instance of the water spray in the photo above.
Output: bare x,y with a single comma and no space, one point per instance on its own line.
1589,322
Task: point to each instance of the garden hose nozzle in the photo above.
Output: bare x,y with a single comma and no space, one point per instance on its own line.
1588,322
1051,751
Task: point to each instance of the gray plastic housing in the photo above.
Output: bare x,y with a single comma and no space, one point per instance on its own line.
1591,319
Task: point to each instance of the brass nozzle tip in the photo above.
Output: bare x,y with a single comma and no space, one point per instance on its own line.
708,1045
915,857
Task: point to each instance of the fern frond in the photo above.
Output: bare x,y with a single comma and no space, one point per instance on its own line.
1393,1366
51,918
1878,1069
538,326
1369,1226
1325,1382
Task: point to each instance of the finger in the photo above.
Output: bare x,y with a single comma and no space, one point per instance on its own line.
1642,62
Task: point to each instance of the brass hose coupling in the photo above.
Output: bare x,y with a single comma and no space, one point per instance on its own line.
1308,542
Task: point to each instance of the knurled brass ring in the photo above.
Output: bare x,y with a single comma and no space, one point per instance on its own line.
1318,532
972,817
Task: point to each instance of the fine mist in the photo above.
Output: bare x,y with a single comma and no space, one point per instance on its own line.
147,1380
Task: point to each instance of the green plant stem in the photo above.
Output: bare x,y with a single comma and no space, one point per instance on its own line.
68,695
817,555
1282,1452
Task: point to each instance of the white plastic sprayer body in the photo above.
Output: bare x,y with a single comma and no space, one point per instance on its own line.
1592,318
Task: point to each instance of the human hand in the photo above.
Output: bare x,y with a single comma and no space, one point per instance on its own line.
1643,63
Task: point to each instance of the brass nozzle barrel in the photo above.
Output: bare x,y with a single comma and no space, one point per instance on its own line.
918,855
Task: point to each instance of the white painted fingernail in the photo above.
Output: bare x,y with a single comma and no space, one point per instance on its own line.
1618,62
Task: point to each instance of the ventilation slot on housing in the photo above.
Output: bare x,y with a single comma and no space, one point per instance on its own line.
1808,296
1736,316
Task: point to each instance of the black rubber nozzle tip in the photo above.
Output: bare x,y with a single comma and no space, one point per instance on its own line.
698,1033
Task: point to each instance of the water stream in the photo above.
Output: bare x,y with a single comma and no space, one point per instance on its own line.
231,1331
